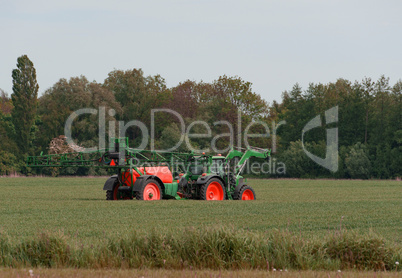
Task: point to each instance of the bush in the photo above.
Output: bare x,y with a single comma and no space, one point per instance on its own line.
299,165
8,163
357,162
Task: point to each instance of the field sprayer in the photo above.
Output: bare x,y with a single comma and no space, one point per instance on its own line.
151,175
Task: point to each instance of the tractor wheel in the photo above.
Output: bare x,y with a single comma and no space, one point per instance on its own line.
150,191
116,195
213,190
109,195
246,193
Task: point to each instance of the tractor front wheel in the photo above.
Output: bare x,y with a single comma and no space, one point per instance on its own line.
150,191
213,190
246,193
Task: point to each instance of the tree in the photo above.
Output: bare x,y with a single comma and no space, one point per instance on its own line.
299,165
137,95
357,162
170,137
5,103
229,97
6,126
8,163
368,87
67,96
189,99
298,110
25,99
231,94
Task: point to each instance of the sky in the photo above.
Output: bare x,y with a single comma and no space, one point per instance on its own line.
272,43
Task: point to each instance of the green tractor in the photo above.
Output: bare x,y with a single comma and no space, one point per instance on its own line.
150,175
219,177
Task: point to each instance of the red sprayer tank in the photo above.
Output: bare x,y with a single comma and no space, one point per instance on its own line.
161,172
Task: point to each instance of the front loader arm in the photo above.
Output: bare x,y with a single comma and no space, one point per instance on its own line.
251,152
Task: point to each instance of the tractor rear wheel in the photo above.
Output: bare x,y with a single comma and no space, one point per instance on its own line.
109,195
213,190
246,193
150,191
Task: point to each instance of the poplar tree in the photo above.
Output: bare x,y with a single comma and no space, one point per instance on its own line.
25,102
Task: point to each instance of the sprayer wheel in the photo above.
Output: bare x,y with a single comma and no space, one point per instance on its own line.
150,191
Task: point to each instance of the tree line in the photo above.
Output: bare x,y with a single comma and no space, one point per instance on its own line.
369,123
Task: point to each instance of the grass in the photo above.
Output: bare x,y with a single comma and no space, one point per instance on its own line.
207,248
149,273
306,214
308,207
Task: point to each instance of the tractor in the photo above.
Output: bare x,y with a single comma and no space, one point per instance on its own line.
151,175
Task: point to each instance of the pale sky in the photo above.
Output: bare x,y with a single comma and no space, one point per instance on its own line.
272,44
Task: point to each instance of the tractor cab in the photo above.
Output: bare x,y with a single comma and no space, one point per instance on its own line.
218,165
206,165
197,166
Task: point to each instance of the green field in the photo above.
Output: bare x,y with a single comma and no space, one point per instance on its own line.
312,208
293,224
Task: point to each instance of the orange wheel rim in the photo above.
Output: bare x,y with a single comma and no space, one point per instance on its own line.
214,191
152,192
247,195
